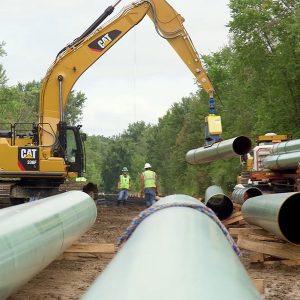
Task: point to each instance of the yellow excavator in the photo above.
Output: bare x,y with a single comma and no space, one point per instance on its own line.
38,162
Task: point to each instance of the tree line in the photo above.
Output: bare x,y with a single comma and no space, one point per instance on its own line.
257,82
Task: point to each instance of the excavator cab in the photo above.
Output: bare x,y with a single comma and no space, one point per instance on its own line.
70,146
75,150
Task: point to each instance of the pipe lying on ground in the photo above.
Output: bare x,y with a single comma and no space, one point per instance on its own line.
240,195
175,253
223,150
276,213
33,234
282,161
216,200
287,146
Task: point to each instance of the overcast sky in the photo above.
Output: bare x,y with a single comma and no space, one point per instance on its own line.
137,79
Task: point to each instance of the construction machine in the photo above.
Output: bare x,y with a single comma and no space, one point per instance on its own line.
40,161
273,164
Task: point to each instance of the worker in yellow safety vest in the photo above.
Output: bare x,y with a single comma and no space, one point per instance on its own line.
124,185
148,185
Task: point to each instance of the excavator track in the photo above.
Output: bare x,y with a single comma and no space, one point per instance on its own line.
87,187
5,190
16,192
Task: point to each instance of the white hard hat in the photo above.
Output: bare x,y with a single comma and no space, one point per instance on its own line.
238,186
147,166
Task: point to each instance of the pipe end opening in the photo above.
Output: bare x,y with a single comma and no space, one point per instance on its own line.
253,192
288,219
241,145
221,205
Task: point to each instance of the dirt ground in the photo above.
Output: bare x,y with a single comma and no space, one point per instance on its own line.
69,279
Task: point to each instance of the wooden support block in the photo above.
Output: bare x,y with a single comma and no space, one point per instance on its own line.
235,225
85,256
235,214
256,257
233,219
260,285
288,262
272,263
83,251
77,256
236,231
261,237
91,248
282,250
237,206
279,262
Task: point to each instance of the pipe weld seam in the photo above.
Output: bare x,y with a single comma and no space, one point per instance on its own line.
203,209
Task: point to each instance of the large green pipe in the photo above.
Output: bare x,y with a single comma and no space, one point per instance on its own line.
276,213
33,234
240,195
216,200
223,150
284,161
284,147
175,253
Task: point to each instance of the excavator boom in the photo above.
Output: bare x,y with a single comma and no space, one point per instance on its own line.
75,59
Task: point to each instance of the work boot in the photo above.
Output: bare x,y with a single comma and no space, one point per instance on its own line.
118,203
124,202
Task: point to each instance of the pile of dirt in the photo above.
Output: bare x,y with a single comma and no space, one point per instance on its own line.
69,279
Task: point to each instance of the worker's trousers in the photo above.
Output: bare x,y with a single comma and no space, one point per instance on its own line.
123,196
149,196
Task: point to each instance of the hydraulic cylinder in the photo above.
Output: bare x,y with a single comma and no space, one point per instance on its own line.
223,150
33,234
176,253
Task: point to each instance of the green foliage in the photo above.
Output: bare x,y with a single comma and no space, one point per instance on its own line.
73,111
117,155
266,40
95,147
3,78
126,150
19,103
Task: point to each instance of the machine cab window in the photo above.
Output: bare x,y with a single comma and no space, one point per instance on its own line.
71,146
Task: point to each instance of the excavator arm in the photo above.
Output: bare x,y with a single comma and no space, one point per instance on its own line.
77,57
39,161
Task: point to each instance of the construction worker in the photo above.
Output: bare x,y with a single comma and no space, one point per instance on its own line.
124,185
148,185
